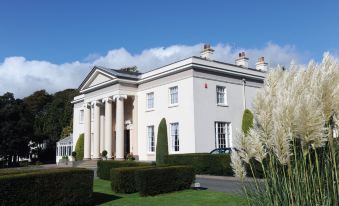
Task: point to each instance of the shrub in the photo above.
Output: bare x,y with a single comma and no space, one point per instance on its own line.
157,180
104,154
74,154
71,186
247,121
79,148
104,167
162,142
123,179
203,163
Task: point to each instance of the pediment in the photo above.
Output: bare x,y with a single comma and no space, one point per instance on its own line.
96,78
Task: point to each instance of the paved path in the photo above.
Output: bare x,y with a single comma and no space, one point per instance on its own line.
222,184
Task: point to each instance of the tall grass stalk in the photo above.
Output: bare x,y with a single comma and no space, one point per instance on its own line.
296,119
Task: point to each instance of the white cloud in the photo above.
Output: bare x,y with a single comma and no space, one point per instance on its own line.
22,77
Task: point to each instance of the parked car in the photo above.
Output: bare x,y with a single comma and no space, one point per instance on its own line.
226,150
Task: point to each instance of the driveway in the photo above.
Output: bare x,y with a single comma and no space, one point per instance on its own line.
222,184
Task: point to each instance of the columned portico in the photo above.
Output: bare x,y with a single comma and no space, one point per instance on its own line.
87,133
96,136
120,126
98,129
108,127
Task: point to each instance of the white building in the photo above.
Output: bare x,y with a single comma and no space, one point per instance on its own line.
202,100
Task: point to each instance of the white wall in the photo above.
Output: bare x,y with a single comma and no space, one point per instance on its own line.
207,112
183,113
78,127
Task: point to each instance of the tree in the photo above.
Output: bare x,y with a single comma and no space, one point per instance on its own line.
15,128
247,121
162,143
79,148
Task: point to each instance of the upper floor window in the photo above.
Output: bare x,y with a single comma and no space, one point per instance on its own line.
221,95
150,100
174,128
173,95
81,116
150,137
223,134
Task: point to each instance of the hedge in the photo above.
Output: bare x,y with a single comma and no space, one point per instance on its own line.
162,143
203,163
123,179
67,186
79,148
157,180
105,166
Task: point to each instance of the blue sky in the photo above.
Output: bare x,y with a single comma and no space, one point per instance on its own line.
62,31
52,45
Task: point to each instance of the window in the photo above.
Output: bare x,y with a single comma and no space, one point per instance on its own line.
173,95
175,136
150,100
81,117
221,95
150,137
222,135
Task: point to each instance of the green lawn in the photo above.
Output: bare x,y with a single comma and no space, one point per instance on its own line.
103,195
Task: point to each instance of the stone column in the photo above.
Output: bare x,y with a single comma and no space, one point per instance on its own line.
108,127
119,126
102,130
87,135
96,122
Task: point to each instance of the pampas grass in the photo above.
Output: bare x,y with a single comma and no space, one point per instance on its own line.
294,137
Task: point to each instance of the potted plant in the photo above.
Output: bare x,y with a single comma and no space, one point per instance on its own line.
104,154
74,154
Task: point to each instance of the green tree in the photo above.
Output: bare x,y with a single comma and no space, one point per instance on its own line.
15,128
162,143
247,121
79,148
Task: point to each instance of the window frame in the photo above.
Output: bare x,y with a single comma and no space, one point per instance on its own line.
227,142
175,138
147,101
170,95
81,116
150,148
224,103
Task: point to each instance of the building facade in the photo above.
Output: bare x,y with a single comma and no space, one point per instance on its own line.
201,99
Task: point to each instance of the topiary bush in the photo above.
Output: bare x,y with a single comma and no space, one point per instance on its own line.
123,179
247,121
104,167
66,186
203,163
157,180
79,148
162,143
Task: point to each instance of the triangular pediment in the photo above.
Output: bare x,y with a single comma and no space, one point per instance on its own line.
96,78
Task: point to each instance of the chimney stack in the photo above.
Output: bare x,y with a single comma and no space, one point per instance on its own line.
261,64
242,60
207,52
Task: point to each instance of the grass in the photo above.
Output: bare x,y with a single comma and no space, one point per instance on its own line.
103,195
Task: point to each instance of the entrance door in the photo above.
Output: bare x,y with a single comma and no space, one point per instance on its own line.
127,142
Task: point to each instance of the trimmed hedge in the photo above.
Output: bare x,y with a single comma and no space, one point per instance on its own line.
157,180
67,186
247,121
203,163
162,143
105,166
123,179
79,148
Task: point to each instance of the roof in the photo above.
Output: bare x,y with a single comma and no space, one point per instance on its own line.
66,140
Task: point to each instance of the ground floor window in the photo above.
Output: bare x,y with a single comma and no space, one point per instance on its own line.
174,128
222,134
150,137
